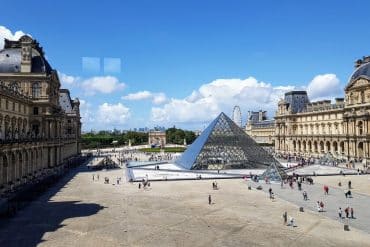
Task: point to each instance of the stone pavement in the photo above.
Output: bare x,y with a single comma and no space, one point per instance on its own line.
359,202
80,211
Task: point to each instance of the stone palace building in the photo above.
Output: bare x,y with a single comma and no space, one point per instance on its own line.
40,124
316,128
260,128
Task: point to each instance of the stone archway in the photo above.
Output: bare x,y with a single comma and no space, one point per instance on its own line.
341,145
4,168
335,148
315,148
328,147
360,150
13,162
322,148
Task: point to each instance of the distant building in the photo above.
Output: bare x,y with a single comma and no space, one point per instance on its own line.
261,129
157,138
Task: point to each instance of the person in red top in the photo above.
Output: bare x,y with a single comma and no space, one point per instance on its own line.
326,189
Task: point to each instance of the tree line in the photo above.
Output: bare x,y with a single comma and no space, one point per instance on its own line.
117,138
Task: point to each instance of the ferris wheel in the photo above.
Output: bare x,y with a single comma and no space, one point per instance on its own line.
237,116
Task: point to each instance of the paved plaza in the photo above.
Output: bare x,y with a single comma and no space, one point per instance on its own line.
78,211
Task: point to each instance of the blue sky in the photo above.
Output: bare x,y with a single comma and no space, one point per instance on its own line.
182,62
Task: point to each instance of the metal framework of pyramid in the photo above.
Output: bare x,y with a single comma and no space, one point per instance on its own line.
275,172
224,145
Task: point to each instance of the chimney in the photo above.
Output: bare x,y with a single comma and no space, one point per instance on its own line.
26,53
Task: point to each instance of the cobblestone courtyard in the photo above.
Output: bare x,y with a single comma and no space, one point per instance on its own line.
81,212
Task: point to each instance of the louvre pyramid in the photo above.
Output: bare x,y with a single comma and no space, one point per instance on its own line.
275,172
224,145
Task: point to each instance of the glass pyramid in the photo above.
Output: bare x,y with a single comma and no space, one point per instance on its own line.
275,172
224,145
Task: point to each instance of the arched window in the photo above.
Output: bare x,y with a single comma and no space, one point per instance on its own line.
360,128
36,90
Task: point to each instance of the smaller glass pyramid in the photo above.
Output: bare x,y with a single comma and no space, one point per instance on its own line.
274,172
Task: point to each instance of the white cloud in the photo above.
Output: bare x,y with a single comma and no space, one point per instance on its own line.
324,86
210,99
113,114
102,84
5,33
220,95
68,80
86,112
138,95
157,98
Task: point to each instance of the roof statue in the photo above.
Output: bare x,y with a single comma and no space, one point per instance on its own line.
274,172
224,145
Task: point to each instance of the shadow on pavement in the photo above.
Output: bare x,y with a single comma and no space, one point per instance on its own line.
41,216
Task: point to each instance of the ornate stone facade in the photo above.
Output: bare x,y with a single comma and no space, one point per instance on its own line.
40,125
341,129
261,129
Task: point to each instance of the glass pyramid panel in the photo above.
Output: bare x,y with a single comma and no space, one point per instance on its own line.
224,145
275,172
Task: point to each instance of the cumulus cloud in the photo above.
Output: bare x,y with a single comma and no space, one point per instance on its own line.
68,80
5,33
205,103
324,86
159,98
156,98
113,114
102,84
86,112
219,95
138,95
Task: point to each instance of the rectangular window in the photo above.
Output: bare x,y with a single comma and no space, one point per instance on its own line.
35,111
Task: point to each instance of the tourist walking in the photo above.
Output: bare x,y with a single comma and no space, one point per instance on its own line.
340,213
347,212
291,219
305,197
209,199
270,192
139,186
93,177
318,206
326,190
352,213
349,184
285,218
322,206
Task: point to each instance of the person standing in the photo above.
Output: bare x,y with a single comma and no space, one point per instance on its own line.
352,213
349,184
340,213
285,218
346,211
270,192
209,199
